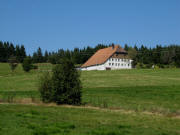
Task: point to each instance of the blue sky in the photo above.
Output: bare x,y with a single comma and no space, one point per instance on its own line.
54,24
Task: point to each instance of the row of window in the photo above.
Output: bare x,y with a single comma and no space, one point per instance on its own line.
116,59
118,64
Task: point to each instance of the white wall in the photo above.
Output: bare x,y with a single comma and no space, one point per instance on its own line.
97,67
115,63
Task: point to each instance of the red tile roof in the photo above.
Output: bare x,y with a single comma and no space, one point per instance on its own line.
102,55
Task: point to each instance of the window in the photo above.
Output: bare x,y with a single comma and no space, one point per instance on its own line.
109,64
116,64
128,65
112,59
121,64
112,64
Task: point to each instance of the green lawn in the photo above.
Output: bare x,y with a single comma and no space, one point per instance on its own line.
136,91
40,120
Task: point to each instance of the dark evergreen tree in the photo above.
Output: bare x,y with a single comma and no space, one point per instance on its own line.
64,87
18,53
22,53
12,50
2,52
76,56
159,55
46,55
35,58
27,64
126,47
40,55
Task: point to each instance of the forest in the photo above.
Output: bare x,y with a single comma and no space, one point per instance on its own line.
143,57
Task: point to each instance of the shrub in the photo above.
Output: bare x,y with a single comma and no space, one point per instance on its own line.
27,64
134,63
63,86
140,65
149,65
45,87
13,63
156,67
52,59
173,65
160,65
34,67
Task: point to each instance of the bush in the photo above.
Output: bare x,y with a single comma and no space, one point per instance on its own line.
140,65
63,86
160,65
149,65
13,63
173,65
52,59
34,67
45,88
27,64
156,67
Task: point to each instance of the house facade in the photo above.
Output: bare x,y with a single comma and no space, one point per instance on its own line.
110,58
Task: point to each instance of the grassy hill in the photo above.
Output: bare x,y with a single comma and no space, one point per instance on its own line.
117,102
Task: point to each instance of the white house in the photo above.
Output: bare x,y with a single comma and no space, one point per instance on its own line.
110,58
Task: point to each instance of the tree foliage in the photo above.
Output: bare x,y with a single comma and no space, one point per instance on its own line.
8,50
13,63
162,56
27,64
63,86
45,88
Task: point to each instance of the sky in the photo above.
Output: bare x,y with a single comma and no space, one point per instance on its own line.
55,24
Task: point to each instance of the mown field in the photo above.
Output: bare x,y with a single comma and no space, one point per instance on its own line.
121,102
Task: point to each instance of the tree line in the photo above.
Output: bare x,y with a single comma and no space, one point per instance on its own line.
143,57
161,56
8,50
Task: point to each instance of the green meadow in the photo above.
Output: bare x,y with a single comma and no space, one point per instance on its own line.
119,102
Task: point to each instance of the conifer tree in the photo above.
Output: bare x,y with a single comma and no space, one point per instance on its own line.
64,86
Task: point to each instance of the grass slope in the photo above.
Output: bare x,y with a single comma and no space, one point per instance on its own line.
40,120
147,90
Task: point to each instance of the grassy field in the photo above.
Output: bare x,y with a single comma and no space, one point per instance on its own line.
121,102
40,120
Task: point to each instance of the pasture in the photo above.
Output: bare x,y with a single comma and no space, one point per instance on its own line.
137,101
